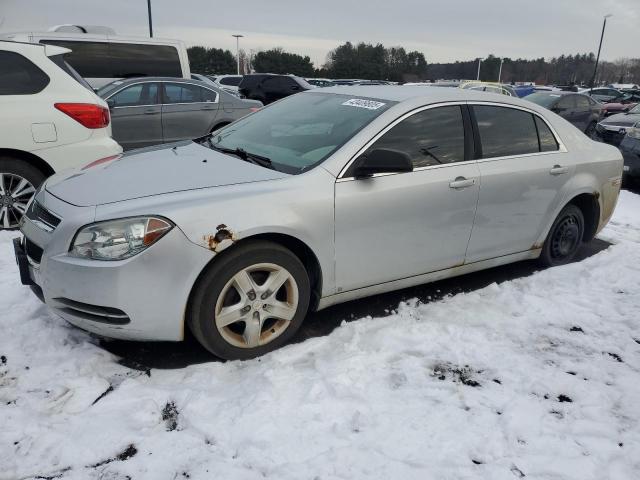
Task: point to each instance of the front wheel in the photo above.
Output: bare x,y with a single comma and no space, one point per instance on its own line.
18,184
250,301
565,237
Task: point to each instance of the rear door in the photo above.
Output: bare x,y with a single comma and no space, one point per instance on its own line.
395,226
522,169
188,111
136,115
566,108
582,112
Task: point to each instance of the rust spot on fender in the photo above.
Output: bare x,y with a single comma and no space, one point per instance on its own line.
222,239
536,246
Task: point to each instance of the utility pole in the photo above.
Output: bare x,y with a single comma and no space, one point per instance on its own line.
150,21
238,37
479,60
595,70
500,71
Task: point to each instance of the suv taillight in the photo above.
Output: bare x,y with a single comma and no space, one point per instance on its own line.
87,114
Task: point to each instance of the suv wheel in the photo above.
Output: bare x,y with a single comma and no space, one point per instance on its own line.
249,301
18,184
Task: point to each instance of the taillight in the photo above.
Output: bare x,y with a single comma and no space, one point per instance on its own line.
254,109
101,161
87,114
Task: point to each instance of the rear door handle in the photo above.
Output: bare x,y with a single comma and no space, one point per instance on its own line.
558,170
461,182
150,111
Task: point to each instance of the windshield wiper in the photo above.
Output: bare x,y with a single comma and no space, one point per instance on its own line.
243,154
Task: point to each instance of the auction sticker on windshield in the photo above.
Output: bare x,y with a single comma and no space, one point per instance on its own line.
362,103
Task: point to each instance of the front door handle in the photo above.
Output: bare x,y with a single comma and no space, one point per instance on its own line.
150,111
558,170
461,182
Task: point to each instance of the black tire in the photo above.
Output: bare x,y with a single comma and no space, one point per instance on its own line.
564,239
216,277
14,168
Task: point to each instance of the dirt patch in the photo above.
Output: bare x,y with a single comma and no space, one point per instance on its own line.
126,454
463,375
170,416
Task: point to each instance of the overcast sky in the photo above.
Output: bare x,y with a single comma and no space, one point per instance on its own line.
442,30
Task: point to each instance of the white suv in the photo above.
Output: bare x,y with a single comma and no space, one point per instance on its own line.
50,119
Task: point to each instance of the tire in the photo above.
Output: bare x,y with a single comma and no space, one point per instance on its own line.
224,304
15,194
564,239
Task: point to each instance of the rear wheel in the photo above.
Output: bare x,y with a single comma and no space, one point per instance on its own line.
18,184
249,301
565,237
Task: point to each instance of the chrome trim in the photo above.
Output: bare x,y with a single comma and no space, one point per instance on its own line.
561,146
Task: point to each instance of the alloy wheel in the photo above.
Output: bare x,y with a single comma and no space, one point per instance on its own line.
15,194
256,305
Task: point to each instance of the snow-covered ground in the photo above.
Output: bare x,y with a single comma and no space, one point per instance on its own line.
537,377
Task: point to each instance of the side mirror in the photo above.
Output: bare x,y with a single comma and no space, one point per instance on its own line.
382,160
557,109
295,87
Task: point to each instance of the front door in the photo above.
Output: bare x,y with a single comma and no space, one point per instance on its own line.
136,116
521,173
390,227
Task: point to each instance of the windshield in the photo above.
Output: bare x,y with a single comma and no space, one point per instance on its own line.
300,131
635,109
543,99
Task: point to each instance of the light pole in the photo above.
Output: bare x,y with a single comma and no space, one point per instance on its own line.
479,60
238,37
500,71
595,70
150,22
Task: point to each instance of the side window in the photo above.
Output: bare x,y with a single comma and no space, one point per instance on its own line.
582,102
567,102
548,141
430,137
136,95
182,93
208,95
19,76
506,131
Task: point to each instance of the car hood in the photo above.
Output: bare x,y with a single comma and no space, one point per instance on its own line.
153,171
622,120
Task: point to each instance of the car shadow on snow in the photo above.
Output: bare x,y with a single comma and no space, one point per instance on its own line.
145,356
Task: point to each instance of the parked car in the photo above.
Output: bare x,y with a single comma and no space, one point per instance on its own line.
101,56
50,120
268,87
320,82
613,129
327,196
630,148
498,88
603,94
152,110
609,109
580,110
229,83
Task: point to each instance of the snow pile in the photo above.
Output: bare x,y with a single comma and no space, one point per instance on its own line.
536,377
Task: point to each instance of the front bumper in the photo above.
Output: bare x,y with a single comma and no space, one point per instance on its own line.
611,134
140,298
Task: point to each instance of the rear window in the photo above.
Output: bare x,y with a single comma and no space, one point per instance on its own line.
233,81
506,131
120,60
20,76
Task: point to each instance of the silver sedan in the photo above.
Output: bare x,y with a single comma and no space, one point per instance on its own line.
153,110
324,197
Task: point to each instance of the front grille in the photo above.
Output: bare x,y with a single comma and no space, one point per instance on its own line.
34,252
612,138
90,312
39,214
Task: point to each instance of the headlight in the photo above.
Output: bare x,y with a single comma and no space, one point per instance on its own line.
118,239
634,132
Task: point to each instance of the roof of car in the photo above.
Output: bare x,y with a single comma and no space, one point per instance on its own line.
400,93
127,81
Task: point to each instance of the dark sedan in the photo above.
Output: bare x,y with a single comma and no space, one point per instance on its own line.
614,128
580,110
152,110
